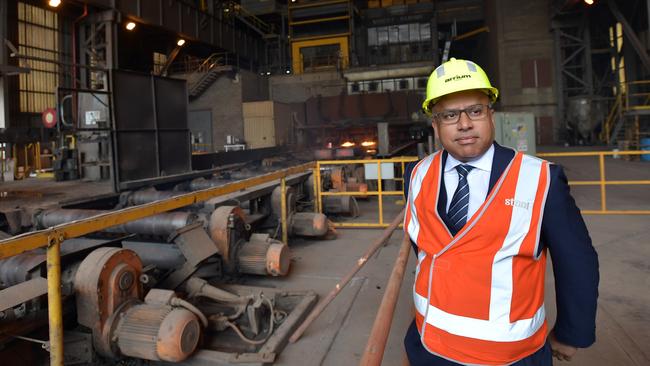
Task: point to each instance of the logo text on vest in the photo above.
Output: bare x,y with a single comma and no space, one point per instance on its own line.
516,203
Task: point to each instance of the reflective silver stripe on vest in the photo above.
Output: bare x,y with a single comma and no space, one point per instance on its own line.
519,226
487,330
422,167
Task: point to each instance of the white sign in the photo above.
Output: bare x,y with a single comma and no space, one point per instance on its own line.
92,117
387,170
2,105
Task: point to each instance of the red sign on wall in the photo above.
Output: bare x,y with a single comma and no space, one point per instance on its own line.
49,118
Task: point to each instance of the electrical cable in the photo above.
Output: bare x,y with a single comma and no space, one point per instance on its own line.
185,304
241,335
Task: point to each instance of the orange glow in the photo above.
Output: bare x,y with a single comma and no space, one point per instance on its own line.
589,2
368,143
130,26
348,144
54,3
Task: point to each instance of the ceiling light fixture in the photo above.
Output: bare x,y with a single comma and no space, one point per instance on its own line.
54,3
589,2
130,26
180,42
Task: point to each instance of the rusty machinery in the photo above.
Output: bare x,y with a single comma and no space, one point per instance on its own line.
137,288
121,318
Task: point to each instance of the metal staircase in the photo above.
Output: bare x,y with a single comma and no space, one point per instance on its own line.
206,74
630,110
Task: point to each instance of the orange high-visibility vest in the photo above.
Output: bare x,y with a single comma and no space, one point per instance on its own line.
479,296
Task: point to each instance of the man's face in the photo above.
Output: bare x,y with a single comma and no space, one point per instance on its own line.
467,139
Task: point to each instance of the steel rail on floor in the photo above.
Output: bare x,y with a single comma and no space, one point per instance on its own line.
52,238
322,304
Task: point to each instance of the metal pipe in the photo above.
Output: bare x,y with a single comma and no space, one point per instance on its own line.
201,183
54,309
339,286
603,189
317,183
163,256
316,188
198,287
380,196
283,210
161,224
149,195
376,345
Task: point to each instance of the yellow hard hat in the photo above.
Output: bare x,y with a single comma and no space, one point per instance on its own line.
454,76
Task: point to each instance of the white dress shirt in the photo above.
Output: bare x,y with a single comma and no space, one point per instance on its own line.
478,180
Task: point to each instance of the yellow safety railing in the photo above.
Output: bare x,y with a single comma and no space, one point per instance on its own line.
380,192
603,182
52,238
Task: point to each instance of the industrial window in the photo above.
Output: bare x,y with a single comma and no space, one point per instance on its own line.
536,73
38,36
395,34
159,61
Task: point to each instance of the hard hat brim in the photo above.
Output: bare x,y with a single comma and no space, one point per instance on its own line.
427,105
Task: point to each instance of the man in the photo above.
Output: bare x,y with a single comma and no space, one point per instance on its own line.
483,217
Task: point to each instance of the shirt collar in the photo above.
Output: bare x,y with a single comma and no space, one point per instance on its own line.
484,162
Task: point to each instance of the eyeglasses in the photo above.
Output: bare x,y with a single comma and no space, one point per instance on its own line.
452,116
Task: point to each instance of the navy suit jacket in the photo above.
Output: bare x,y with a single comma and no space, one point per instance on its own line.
564,233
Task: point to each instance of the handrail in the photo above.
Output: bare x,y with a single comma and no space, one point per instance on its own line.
380,192
623,104
208,64
376,345
602,182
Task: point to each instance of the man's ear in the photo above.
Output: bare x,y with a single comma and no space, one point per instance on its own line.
435,129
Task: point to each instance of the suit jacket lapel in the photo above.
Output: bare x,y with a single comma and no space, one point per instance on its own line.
442,196
502,157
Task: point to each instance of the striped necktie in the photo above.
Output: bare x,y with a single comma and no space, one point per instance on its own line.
457,214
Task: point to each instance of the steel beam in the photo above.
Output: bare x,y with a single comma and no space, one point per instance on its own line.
631,36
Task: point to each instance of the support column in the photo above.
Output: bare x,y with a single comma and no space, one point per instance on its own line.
383,143
3,61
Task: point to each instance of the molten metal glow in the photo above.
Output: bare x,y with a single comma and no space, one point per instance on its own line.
348,144
368,143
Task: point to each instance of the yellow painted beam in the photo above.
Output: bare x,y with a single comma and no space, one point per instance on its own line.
54,307
319,20
610,182
314,4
